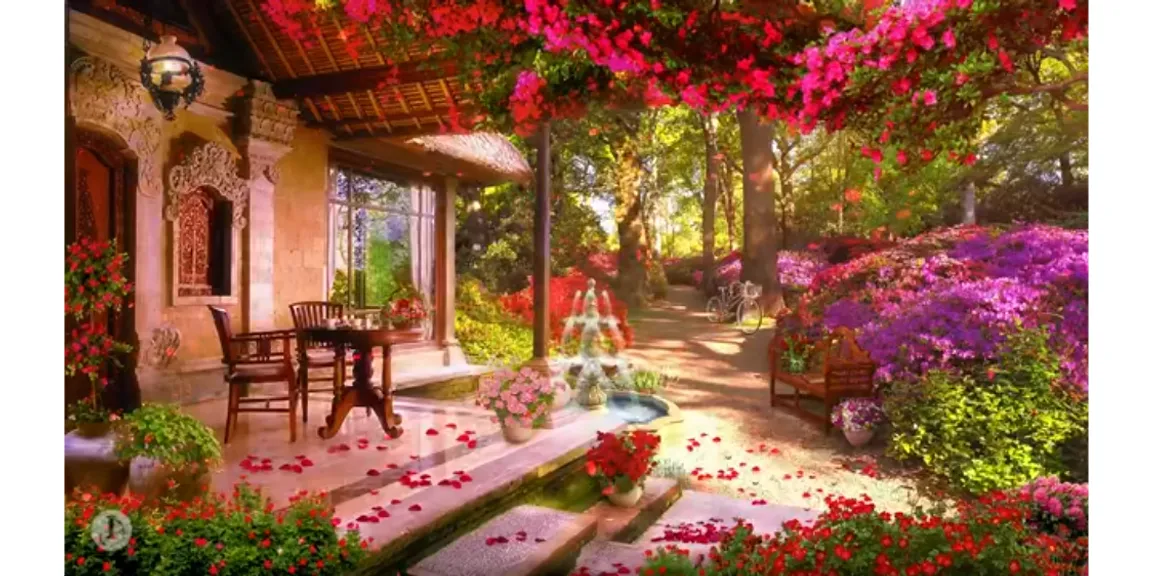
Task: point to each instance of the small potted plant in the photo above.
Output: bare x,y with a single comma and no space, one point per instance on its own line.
621,463
795,355
172,453
521,400
858,418
405,310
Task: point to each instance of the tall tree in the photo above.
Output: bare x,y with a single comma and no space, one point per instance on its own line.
629,209
760,243
711,185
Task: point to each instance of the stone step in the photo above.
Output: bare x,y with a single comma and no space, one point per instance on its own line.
525,541
605,557
695,521
626,524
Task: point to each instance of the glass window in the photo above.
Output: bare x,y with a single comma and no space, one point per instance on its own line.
382,238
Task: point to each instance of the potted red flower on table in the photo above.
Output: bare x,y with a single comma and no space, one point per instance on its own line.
621,462
404,311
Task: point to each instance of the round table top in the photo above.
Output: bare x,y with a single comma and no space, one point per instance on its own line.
359,337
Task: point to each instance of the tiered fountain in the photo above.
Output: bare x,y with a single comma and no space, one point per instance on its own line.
595,366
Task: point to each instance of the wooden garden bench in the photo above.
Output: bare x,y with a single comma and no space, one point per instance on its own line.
838,368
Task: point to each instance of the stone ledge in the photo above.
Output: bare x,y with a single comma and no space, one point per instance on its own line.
605,557
534,541
626,524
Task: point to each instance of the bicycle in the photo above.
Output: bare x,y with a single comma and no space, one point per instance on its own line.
740,299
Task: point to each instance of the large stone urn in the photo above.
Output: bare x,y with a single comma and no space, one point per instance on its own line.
90,462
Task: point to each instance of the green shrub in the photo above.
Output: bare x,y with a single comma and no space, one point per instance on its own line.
163,433
487,333
995,427
239,535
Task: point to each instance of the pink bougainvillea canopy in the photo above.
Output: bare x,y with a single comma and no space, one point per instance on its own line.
911,74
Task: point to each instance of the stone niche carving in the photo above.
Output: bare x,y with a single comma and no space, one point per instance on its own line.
196,184
163,346
264,128
104,96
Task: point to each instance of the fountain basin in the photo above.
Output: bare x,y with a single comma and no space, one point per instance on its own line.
643,411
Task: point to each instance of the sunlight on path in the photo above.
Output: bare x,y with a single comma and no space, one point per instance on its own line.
731,442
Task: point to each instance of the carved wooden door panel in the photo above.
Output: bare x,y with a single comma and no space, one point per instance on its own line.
100,207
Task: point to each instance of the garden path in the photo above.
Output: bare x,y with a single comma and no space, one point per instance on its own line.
723,392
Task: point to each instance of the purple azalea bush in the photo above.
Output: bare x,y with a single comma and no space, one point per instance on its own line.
946,299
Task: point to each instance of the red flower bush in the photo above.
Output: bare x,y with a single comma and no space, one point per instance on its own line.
563,291
241,533
89,349
94,277
621,461
989,536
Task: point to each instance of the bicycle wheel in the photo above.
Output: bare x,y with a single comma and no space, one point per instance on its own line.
749,317
713,310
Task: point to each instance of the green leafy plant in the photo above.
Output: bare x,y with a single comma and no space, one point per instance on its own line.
487,333
238,534
994,428
165,434
88,411
796,354
650,381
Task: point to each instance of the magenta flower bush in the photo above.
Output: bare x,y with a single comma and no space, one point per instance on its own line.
947,298
1058,506
796,269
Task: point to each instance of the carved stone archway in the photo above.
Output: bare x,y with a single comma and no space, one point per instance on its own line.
105,97
210,166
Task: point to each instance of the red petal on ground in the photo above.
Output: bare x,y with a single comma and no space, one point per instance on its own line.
395,502
413,457
381,447
431,432
450,426
266,461
472,444
465,478
383,514
297,469
703,434
540,540
415,508
374,492
716,439
306,462
755,468
392,466
787,476
285,466
462,438
373,472
470,432
444,482
301,457
456,484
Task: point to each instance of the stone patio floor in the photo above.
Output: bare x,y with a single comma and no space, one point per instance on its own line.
750,450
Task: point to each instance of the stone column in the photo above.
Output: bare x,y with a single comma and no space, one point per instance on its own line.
446,273
264,131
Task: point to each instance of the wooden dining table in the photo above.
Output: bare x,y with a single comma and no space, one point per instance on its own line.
361,393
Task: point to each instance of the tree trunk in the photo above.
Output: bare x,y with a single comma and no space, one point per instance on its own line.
711,182
1066,178
759,209
786,201
631,276
969,203
728,192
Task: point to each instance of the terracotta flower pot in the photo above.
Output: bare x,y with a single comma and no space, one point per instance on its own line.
93,429
515,433
90,463
627,499
859,438
150,479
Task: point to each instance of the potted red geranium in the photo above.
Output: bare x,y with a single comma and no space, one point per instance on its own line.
621,462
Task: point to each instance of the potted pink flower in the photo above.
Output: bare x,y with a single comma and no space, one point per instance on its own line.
858,418
520,399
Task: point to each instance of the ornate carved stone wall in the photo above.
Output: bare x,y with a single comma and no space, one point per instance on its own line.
104,96
209,166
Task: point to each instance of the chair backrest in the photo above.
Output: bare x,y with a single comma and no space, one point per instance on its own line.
313,314
224,332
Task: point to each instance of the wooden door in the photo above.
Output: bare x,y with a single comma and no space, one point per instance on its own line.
100,206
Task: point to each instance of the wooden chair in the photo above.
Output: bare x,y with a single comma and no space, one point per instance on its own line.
838,369
251,358
317,355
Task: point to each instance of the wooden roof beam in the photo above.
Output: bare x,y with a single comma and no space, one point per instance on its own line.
365,79
359,130
415,116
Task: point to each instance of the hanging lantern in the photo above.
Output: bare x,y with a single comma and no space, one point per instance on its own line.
170,75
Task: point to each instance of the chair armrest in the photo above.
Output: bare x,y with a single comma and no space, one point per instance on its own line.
265,335
263,353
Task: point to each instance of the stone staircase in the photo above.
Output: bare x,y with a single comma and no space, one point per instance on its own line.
535,541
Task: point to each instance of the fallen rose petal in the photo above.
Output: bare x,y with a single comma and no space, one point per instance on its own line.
755,468
415,508
463,438
393,465
306,462
395,501
373,472
472,445
540,540
716,439
301,457
381,447
431,432
465,478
